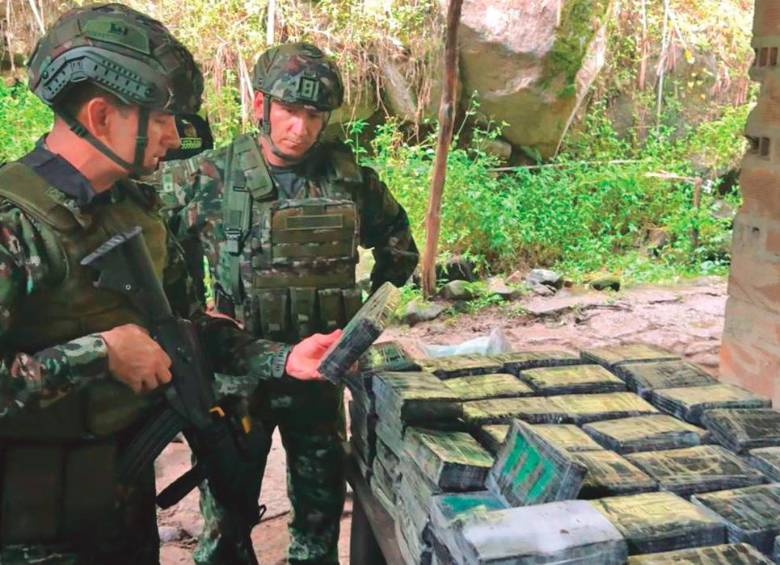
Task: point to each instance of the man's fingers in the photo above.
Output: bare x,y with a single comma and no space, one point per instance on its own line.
164,374
306,356
326,340
149,382
166,360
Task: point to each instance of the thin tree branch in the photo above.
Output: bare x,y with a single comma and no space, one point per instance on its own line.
37,15
446,125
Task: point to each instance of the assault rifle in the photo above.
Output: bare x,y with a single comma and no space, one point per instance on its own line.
223,443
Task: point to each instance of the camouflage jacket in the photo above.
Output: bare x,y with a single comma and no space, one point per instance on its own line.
193,193
26,269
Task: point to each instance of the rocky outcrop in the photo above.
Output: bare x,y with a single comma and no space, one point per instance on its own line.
531,63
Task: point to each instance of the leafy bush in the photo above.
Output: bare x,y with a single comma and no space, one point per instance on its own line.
23,119
593,208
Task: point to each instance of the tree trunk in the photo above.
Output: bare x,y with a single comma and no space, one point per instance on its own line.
446,123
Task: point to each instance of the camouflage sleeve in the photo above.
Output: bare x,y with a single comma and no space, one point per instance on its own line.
25,377
384,226
191,192
241,360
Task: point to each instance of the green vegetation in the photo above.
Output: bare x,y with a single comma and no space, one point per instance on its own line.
619,196
579,19
23,119
593,208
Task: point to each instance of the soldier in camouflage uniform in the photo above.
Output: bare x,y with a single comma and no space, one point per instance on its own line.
280,216
75,361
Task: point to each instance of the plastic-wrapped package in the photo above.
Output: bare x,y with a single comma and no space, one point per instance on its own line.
646,433
653,522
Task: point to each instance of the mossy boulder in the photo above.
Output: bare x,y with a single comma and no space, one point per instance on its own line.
531,63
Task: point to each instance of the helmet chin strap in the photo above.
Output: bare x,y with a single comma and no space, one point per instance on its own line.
265,131
135,169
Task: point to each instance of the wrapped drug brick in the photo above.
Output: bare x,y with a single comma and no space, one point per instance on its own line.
655,522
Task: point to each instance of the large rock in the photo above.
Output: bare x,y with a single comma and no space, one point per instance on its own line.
361,105
398,91
531,63
545,277
458,291
417,312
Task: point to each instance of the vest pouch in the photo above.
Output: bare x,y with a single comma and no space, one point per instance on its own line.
353,300
90,493
331,309
313,230
303,311
31,493
58,420
112,406
274,308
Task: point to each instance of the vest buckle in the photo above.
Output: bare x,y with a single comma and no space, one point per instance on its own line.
233,236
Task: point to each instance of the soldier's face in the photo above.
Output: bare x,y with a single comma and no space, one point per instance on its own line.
294,129
161,134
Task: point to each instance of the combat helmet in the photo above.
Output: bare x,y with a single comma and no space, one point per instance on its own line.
299,73
296,73
195,135
123,52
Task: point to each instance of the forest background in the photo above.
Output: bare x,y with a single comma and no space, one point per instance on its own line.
644,185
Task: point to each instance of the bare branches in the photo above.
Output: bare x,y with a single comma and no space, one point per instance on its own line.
37,15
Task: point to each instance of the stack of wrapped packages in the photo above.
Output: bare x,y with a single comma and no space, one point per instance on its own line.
618,454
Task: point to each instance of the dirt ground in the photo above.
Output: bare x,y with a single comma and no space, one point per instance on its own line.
686,319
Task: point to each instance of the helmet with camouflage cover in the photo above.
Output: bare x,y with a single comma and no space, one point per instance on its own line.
123,52
299,73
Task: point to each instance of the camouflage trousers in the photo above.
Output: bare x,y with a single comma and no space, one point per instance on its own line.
310,418
133,540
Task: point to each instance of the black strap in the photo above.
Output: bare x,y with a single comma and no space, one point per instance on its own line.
265,131
141,139
140,142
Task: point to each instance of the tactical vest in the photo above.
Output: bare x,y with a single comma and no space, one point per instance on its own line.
290,262
57,457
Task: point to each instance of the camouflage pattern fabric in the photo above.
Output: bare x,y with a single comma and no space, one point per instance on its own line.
310,416
193,193
33,378
25,269
311,422
299,73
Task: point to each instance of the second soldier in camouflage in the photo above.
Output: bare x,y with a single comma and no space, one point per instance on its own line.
280,217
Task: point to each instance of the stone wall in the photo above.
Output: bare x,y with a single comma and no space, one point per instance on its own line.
750,352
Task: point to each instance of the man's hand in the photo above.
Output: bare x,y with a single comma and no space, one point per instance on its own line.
306,356
136,359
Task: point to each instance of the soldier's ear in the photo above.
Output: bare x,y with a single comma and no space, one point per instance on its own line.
257,106
96,115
